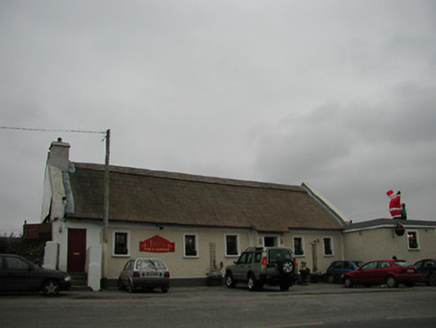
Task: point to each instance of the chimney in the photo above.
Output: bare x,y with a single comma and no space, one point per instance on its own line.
59,154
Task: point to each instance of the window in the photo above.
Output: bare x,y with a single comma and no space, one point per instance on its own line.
191,245
370,266
412,240
14,263
245,258
328,246
232,248
338,265
278,255
298,246
121,244
384,265
348,266
270,241
257,257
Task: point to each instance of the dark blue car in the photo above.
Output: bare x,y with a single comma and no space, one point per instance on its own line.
19,275
338,268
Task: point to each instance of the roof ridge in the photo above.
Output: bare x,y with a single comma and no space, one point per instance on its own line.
188,177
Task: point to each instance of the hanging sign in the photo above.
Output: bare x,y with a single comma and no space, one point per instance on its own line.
156,244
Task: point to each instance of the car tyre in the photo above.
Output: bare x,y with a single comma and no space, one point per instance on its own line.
130,288
330,279
348,282
252,283
164,289
391,281
51,287
120,284
286,267
229,281
432,279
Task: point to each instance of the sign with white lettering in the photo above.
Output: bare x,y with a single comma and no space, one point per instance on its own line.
156,244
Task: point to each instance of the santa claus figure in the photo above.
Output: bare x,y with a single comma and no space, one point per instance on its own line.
395,207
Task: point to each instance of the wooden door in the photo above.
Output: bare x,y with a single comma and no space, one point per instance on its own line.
76,250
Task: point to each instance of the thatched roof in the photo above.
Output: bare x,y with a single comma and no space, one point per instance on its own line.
138,195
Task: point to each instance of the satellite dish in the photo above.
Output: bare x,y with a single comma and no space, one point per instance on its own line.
399,229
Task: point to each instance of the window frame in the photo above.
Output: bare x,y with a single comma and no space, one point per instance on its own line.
302,246
196,244
408,235
114,239
332,248
238,252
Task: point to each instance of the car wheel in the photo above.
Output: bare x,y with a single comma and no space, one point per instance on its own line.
330,279
252,284
51,287
391,281
432,279
286,267
348,282
130,288
120,284
164,289
230,282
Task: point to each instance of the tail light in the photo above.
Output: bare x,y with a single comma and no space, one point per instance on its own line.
167,274
264,261
135,274
295,263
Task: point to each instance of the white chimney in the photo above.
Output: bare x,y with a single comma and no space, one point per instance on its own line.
59,154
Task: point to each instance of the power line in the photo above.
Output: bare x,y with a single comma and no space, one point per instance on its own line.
50,130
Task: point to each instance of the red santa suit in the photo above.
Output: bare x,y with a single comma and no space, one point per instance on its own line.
395,207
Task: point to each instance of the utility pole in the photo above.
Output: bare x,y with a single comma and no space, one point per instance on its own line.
106,189
105,251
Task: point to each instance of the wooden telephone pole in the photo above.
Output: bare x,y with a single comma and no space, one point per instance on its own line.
106,190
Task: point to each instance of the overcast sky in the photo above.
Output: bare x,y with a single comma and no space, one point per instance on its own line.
338,94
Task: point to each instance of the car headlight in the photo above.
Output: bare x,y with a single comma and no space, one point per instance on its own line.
67,278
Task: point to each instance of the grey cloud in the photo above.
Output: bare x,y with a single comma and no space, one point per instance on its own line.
338,94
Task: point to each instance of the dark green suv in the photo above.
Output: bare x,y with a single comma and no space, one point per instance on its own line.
258,266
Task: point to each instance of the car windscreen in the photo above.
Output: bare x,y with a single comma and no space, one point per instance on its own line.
150,264
403,263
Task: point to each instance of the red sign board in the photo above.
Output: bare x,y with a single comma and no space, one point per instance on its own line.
156,244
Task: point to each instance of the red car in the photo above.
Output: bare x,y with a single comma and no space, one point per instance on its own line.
389,272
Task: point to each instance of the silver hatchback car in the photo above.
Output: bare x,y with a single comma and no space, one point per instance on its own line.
146,274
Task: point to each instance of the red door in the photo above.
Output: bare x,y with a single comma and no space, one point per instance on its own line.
76,250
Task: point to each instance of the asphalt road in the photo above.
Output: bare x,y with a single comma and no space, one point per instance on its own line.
315,305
